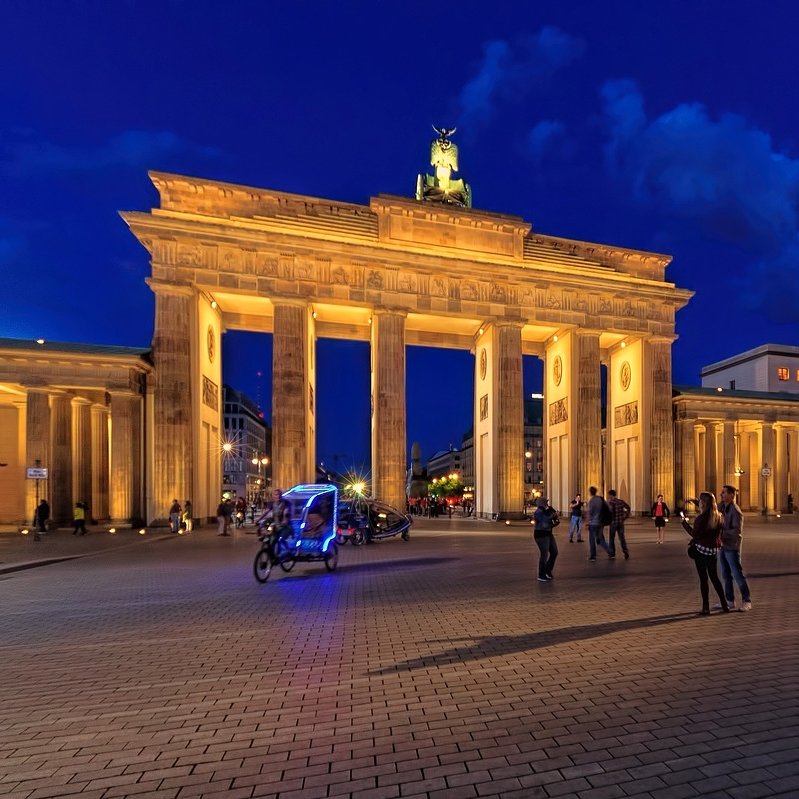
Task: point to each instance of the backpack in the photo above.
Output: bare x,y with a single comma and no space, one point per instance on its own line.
605,514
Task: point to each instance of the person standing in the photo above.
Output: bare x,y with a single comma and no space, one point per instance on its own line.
621,511
576,519
546,519
188,519
222,518
79,519
705,537
660,513
731,535
41,516
174,516
596,522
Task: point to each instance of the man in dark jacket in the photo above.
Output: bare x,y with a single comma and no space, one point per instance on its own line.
546,519
730,555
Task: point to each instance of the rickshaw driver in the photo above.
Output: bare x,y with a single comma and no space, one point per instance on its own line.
278,514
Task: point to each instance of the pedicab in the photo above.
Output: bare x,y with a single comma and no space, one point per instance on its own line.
363,519
309,535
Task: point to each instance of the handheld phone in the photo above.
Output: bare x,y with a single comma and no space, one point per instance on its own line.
682,514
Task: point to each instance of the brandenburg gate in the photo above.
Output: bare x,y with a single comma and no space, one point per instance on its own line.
429,271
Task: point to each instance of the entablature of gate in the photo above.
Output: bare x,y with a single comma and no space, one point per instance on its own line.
247,247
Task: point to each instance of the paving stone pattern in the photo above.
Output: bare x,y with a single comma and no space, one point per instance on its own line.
436,668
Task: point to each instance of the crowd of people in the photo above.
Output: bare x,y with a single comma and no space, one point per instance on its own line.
715,535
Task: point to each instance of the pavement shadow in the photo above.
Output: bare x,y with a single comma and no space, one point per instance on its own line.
381,567
500,645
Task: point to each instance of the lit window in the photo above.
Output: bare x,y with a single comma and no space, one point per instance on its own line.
782,373
797,375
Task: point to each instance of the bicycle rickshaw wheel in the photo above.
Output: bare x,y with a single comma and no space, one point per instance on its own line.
262,567
284,555
331,561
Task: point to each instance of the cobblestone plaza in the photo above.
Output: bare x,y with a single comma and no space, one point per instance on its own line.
158,667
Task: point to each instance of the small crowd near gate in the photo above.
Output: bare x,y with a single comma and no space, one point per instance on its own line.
716,534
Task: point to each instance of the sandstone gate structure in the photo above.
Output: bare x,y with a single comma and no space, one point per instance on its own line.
395,272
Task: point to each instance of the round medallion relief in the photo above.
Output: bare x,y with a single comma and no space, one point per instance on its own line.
483,363
625,375
557,370
210,341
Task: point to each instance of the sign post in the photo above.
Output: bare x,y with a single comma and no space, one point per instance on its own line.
765,473
36,473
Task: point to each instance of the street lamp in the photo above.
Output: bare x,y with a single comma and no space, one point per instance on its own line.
261,463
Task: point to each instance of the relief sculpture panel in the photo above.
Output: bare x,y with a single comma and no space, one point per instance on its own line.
625,414
558,411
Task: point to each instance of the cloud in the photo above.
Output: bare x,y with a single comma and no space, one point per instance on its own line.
511,71
129,149
722,176
541,138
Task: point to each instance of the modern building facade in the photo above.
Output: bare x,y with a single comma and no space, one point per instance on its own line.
246,448
770,368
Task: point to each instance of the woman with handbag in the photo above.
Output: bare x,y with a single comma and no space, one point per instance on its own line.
705,542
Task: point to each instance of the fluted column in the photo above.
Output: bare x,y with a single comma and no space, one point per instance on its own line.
509,419
61,458
699,448
587,410
727,476
100,469
744,481
123,457
793,485
711,457
781,469
291,411
82,452
767,457
37,436
687,443
657,358
389,447
173,454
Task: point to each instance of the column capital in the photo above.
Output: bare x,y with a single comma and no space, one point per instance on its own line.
168,287
81,401
383,310
290,302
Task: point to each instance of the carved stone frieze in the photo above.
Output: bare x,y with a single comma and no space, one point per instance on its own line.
558,411
626,414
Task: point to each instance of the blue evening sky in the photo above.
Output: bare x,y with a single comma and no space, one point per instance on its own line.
671,127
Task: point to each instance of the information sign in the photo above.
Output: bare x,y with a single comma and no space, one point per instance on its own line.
37,473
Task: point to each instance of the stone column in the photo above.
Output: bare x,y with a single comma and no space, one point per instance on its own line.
61,506
781,469
124,446
793,467
389,446
687,477
657,383
587,410
767,456
700,439
711,457
744,481
173,455
509,418
82,453
100,471
727,476
291,410
37,436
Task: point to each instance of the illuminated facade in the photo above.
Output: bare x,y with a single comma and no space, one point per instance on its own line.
80,412
395,272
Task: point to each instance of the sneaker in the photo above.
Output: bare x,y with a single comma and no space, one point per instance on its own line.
611,557
571,541
549,577
592,559
730,605
745,606
543,580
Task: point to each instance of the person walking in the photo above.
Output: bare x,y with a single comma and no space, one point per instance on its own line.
174,516
42,514
546,519
597,519
621,511
188,519
660,513
731,535
222,518
576,519
79,519
705,537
